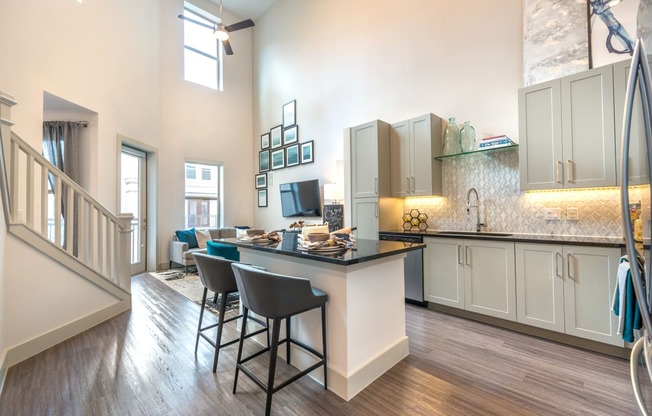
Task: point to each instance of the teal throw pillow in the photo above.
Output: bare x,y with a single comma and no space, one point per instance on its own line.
188,236
222,250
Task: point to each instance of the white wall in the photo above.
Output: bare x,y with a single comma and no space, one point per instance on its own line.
123,60
347,63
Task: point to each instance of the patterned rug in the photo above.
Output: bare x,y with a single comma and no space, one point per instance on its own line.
190,286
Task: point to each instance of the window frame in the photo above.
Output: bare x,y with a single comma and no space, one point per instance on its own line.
196,194
197,12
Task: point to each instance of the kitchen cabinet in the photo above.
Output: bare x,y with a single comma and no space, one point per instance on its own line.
638,174
566,129
370,160
414,144
568,289
477,275
365,216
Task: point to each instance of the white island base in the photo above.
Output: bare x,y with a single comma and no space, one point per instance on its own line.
365,317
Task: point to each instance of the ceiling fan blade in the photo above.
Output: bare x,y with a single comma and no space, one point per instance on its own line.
240,25
227,47
197,22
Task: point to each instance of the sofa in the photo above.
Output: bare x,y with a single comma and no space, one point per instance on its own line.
179,252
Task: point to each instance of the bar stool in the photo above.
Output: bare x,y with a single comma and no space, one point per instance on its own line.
277,297
216,274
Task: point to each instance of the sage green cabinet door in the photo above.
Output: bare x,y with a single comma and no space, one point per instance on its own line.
364,213
364,166
401,162
540,141
588,129
444,271
638,174
489,278
425,139
588,293
540,285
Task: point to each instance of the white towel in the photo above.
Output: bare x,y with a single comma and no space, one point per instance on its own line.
621,285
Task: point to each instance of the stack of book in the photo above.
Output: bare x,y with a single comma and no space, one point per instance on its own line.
495,141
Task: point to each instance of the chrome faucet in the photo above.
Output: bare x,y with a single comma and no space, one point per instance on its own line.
478,224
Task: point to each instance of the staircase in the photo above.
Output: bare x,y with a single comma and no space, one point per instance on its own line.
67,225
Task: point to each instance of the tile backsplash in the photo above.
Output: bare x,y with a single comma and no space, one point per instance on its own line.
503,207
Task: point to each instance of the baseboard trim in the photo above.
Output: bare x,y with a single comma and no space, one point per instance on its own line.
40,343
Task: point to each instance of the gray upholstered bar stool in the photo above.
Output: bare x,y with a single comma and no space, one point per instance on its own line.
277,297
216,274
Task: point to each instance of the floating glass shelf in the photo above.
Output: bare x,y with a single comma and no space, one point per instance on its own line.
480,151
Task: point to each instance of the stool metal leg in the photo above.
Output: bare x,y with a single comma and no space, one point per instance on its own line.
220,325
272,364
323,336
201,316
287,336
245,314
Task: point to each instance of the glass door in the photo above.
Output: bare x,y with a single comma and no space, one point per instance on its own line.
133,199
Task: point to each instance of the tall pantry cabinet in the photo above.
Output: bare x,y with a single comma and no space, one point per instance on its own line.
371,208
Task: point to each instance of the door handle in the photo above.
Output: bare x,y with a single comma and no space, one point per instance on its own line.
557,257
376,209
413,185
376,185
557,172
569,170
459,254
467,256
569,266
407,184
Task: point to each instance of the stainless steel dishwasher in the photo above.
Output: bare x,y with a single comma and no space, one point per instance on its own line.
413,267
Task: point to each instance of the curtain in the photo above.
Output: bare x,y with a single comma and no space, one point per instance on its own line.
60,144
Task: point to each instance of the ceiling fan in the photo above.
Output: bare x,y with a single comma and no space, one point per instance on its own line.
222,31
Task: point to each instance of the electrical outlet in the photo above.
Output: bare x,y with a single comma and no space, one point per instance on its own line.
572,214
551,214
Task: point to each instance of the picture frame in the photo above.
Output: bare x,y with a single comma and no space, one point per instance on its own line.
292,155
276,137
264,141
277,159
308,152
262,198
263,161
261,180
291,135
290,113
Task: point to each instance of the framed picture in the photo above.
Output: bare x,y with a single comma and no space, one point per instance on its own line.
292,155
264,141
262,197
263,161
613,30
291,135
276,136
261,180
307,152
278,159
290,114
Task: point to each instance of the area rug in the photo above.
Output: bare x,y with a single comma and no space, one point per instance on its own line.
191,287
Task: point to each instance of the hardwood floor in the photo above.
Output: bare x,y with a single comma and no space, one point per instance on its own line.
142,363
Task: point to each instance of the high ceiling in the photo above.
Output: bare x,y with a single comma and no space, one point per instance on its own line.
246,9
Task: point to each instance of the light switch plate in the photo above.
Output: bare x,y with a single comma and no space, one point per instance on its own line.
551,214
572,214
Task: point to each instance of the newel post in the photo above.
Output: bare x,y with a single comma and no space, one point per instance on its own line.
6,102
123,252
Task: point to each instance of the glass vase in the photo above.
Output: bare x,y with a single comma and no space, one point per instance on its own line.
452,138
467,139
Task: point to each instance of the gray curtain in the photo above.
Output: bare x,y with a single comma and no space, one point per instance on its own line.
60,144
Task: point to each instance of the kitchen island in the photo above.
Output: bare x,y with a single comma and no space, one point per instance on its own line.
365,314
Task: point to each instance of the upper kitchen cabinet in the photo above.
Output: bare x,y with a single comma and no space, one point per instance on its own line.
414,144
370,160
567,132
637,154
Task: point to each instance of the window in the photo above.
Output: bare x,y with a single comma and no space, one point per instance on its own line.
202,54
203,205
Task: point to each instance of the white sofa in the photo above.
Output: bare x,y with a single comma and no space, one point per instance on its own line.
180,253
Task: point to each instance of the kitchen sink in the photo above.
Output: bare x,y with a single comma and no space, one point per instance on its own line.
470,233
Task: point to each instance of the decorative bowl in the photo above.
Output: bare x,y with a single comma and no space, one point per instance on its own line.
255,231
314,237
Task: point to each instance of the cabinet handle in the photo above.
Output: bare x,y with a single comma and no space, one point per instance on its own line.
569,171
557,175
376,209
413,186
557,257
467,256
376,185
569,266
459,254
407,184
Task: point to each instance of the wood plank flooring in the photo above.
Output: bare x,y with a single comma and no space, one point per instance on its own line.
142,363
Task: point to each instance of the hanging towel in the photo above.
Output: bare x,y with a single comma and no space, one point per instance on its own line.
624,303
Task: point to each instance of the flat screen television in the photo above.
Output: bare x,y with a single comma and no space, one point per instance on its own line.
301,199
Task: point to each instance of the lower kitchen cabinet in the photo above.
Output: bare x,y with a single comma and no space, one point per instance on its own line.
568,289
476,275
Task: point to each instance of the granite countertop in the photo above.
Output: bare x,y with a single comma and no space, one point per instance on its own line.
618,242
362,250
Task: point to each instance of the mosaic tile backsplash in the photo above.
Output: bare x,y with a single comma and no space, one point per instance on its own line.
504,208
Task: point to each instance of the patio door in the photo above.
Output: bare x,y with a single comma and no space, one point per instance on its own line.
133,199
